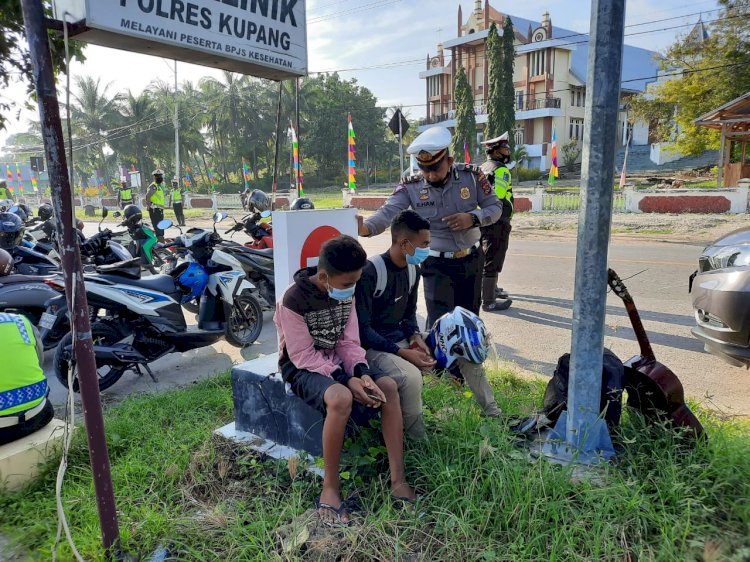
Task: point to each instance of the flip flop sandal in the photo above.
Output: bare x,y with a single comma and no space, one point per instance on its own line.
337,523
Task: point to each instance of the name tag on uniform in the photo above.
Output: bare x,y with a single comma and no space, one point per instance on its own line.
425,204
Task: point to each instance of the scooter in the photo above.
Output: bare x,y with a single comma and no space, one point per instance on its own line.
261,233
146,320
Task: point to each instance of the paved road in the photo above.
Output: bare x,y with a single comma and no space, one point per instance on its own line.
537,329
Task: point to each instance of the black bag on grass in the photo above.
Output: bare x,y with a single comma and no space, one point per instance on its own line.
613,379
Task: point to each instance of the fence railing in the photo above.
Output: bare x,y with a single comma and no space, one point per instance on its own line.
571,201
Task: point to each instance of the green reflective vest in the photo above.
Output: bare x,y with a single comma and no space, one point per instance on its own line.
158,198
3,193
176,196
126,195
22,382
504,190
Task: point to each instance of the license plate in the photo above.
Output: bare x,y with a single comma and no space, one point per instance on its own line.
47,320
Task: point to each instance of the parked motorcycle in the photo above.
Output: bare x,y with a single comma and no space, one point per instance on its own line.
145,319
261,233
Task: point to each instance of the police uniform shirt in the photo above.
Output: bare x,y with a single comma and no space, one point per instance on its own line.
466,189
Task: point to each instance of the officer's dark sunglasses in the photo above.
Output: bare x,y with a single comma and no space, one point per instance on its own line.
431,167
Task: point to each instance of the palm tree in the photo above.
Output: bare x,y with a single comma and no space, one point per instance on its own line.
519,154
94,113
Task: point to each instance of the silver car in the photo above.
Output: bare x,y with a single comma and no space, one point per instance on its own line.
721,298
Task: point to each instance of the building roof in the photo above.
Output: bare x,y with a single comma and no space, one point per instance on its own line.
734,114
639,66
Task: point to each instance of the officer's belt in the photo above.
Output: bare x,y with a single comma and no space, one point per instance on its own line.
455,255
10,421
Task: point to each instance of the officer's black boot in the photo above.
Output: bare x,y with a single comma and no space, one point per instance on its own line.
489,302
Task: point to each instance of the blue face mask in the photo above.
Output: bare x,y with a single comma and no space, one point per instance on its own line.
340,294
420,254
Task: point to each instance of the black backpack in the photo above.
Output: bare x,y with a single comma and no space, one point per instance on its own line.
613,380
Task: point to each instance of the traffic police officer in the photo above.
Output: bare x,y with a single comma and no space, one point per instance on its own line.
155,200
3,190
24,407
124,195
456,199
495,237
176,199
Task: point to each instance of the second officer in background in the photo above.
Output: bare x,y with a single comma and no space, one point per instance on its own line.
496,236
456,199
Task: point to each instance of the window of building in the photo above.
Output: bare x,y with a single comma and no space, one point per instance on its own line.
518,136
578,97
433,86
538,63
576,129
519,100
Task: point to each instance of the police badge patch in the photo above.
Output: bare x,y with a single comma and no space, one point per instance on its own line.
424,195
465,193
484,183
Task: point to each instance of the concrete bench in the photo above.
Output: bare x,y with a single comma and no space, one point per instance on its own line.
20,459
266,408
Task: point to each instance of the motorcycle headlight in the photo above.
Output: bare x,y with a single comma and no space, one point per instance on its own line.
730,256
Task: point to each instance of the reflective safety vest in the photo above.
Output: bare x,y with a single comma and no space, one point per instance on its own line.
3,193
158,198
23,385
176,196
126,195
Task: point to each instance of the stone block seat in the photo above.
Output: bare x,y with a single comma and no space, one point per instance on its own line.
20,459
265,407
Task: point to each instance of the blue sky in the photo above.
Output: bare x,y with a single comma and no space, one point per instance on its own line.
352,34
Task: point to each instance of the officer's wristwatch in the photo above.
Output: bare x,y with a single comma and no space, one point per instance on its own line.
475,220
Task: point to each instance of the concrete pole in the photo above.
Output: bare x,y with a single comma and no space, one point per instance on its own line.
586,436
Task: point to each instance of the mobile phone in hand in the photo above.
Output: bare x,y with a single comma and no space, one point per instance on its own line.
372,394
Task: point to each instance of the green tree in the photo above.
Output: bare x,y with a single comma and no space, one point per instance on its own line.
495,95
15,61
507,121
466,123
708,72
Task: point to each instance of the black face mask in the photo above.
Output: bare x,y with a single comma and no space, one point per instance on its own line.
442,182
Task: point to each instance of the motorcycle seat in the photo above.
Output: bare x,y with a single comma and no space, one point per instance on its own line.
265,252
20,278
159,283
130,269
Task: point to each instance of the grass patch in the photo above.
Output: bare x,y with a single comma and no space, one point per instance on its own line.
175,483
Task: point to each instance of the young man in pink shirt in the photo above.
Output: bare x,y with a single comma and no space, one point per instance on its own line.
321,358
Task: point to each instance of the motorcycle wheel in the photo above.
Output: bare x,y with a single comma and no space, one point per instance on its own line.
245,320
102,333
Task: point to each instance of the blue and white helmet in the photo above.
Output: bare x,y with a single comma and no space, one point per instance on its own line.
192,279
460,334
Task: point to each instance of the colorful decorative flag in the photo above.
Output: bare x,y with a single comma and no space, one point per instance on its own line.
352,157
9,185
467,156
297,165
553,171
245,172
20,179
188,181
212,179
34,182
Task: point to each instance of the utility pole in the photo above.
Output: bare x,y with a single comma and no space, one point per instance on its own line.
62,201
586,437
299,136
400,147
177,173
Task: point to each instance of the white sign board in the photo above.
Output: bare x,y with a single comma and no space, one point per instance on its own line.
298,235
266,38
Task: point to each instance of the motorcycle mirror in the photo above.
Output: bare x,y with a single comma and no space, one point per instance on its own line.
105,212
220,216
265,214
164,225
